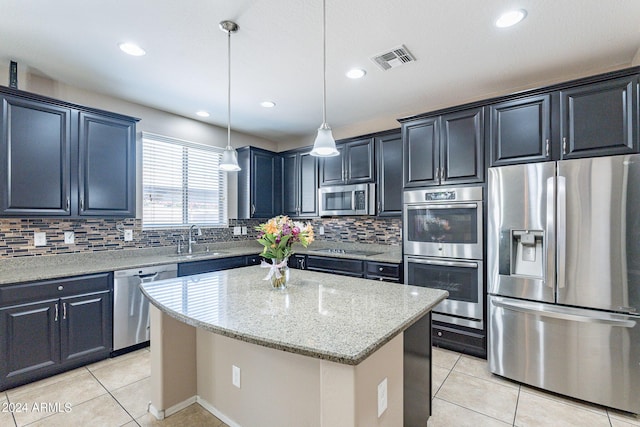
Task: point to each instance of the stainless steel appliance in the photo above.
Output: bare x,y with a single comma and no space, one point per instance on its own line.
131,307
563,274
443,222
443,249
351,199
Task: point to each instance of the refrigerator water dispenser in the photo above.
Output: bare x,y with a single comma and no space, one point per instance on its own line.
527,253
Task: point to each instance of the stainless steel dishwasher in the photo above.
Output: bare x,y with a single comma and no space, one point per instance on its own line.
131,307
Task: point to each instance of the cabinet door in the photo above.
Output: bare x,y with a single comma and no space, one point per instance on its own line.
290,192
266,184
106,181
35,154
359,161
600,119
29,341
462,149
85,326
520,130
421,145
308,185
332,170
389,164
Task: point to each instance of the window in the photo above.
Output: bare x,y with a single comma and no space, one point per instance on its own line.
182,183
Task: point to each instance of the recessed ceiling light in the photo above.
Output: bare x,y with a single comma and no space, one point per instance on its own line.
132,49
356,73
203,114
268,104
511,18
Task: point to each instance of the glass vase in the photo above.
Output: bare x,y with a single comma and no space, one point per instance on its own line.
280,274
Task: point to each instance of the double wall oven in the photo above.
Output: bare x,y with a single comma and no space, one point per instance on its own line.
443,249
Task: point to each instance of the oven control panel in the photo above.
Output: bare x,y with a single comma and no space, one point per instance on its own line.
440,195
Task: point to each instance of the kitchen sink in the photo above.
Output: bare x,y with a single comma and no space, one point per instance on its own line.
197,255
346,252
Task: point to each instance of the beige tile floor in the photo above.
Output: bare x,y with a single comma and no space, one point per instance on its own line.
115,392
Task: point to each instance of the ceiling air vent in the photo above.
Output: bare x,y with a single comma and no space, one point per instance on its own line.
394,58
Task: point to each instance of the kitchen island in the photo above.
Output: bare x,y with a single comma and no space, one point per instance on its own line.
327,351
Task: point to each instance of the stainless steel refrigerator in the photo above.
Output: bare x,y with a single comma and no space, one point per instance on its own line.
563,257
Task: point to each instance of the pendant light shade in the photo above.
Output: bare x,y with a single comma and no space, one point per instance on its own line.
229,161
324,145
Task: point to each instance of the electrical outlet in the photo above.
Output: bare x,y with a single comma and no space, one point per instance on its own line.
235,375
69,237
321,230
244,231
128,235
39,238
382,397
236,231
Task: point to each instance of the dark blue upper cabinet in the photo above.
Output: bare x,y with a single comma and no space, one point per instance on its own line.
259,183
59,159
354,165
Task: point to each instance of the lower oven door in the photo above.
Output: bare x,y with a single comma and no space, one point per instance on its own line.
461,278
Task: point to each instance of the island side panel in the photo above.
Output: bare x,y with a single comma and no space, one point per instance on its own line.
385,363
173,364
277,388
290,390
417,372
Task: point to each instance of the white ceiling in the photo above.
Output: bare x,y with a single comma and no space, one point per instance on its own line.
277,54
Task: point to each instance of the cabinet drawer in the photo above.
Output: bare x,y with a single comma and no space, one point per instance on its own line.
26,292
389,270
350,267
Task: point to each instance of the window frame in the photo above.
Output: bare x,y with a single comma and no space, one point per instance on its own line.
187,150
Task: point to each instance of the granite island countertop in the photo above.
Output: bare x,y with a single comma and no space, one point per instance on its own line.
326,316
33,268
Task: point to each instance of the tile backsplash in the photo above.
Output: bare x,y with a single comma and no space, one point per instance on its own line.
90,235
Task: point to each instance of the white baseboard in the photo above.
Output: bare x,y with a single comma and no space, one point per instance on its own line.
222,417
160,415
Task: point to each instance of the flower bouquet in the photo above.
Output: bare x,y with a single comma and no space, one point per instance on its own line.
278,235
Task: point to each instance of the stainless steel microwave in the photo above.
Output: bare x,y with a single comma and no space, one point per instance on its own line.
352,199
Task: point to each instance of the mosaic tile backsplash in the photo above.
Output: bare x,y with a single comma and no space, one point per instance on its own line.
90,235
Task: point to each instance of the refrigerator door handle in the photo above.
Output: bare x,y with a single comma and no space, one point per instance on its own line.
561,230
549,245
544,310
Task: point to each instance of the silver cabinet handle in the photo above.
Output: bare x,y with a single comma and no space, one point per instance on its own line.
67,205
302,264
564,145
380,269
253,209
81,204
60,287
442,173
437,174
547,148
64,311
56,319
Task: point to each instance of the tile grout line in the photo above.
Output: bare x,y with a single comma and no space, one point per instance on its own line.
116,400
515,413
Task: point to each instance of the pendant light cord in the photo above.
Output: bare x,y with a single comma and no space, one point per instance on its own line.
229,89
324,63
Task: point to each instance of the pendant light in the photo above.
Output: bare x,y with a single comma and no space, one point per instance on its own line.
229,161
324,145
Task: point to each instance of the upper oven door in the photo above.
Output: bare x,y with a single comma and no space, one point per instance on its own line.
450,230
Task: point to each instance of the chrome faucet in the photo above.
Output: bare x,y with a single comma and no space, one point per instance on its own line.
192,239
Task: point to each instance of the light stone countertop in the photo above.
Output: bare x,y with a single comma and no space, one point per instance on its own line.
32,268
326,316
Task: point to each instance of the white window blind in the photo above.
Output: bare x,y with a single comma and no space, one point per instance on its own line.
182,183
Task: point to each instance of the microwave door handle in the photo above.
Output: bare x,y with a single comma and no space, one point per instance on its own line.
445,263
353,201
